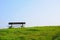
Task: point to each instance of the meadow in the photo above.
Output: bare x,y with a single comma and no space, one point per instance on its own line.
31,33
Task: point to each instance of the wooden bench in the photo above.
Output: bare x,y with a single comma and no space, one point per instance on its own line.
15,23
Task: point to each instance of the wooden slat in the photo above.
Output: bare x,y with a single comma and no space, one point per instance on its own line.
16,23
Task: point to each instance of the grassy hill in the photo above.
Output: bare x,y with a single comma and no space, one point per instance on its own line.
32,33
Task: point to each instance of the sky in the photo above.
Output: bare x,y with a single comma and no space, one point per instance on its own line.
33,12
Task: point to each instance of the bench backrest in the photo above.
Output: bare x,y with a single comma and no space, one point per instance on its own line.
16,23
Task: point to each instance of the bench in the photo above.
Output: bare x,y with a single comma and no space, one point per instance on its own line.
15,23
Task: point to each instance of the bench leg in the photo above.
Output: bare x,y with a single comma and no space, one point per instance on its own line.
10,26
22,25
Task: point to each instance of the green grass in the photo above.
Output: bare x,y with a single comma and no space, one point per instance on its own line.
31,33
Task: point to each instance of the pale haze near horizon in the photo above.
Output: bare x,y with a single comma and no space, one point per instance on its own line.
33,12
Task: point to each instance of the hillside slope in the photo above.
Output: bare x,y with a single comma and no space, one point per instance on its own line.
32,33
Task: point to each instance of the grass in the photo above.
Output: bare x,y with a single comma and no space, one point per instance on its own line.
32,33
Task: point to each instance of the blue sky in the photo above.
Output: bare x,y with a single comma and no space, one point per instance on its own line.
33,12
